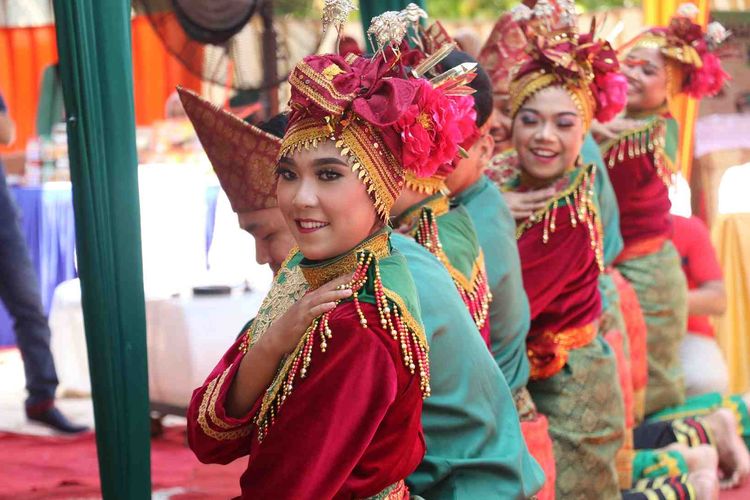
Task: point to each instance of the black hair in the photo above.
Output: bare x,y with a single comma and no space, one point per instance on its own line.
481,84
276,125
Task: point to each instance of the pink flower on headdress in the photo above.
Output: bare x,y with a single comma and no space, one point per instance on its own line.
708,80
433,127
611,92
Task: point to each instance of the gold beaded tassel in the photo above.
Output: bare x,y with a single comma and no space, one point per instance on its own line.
636,143
414,351
649,140
588,214
427,233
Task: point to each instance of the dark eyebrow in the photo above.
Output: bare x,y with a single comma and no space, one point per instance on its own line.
286,160
329,161
532,110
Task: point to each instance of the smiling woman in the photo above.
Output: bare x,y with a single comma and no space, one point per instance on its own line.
548,135
573,381
324,203
323,389
661,63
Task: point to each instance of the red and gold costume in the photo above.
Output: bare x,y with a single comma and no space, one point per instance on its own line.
641,163
341,418
573,374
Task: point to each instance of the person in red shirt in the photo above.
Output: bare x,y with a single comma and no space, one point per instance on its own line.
706,297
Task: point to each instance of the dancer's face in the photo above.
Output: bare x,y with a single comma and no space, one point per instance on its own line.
324,203
645,69
273,240
548,134
502,123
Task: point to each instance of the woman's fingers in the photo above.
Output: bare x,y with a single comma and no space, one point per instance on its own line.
319,309
330,296
338,282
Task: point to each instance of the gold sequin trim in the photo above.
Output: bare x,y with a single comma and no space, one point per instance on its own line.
647,140
425,185
208,407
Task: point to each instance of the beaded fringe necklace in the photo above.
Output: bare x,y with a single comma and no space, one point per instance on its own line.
579,198
649,139
475,292
392,318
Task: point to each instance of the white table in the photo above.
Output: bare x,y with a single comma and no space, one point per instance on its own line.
186,336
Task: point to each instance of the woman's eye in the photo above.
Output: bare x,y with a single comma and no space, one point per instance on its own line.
285,173
565,124
528,120
328,175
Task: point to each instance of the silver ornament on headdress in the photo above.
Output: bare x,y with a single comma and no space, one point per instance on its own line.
568,16
336,13
716,34
521,13
544,9
388,29
688,10
413,13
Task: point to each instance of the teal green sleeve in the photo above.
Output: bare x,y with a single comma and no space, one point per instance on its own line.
610,216
475,448
608,209
509,310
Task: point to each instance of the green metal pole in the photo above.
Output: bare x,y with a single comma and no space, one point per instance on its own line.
93,39
371,8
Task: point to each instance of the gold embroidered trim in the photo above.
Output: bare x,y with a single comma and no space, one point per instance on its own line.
425,185
208,407
383,174
322,80
280,298
579,198
650,139
394,317
396,491
318,276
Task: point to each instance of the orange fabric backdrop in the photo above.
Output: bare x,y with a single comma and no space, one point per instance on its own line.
25,52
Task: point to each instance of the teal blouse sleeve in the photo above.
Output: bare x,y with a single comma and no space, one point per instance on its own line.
474,444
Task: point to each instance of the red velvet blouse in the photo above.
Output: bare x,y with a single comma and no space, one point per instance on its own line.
350,429
560,277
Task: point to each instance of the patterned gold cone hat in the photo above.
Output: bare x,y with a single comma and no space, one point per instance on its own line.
243,156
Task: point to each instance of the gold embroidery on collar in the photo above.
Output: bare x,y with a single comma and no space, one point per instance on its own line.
319,275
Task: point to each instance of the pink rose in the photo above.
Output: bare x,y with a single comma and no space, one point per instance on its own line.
611,91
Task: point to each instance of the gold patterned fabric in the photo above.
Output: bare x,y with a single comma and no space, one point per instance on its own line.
243,156
659,282
583,404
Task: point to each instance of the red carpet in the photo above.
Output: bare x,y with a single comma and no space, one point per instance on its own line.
33,467
57,467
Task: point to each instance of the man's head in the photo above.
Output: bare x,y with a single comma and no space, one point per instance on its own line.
273,240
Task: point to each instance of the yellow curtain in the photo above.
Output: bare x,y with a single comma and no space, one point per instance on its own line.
684,109
731,238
